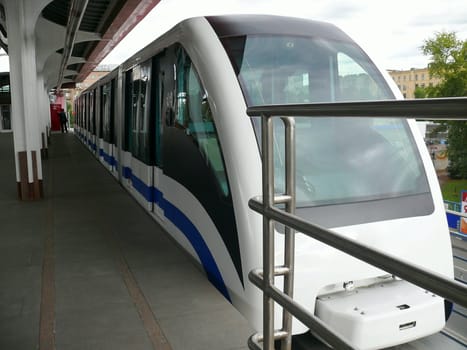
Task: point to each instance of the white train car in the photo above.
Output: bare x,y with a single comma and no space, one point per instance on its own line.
187,151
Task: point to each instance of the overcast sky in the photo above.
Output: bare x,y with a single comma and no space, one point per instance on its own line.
391,32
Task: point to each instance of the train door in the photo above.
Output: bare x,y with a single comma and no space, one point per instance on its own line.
112,131
87,132
106,151
99,124
192,158
140,135
89,117
156,110
126,154
93,123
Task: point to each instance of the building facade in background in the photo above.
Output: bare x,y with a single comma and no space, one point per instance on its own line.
408,80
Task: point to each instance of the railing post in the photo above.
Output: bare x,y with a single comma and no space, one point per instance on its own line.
437,109
268,231
289,244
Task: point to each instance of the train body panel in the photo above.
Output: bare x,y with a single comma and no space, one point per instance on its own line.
184,147
240,153
198,235
141,183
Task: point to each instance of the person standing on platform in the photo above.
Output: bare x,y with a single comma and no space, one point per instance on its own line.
63,120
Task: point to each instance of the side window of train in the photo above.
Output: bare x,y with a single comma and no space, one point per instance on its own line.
93,107
106,108
102,104
128,109
113,136
194,115
140,121
91,112
354,82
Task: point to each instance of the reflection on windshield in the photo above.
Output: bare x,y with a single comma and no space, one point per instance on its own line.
338,160
350,160
281,70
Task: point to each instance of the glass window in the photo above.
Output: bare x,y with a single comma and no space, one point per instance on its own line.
94,114
284,69
128,111
350,160
140,97
194,115
354,83
6,117
106,109
339,160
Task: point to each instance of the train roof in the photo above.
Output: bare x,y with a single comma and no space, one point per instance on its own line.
238,25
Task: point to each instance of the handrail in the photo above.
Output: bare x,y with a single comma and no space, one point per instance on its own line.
462,215
426,109
432,281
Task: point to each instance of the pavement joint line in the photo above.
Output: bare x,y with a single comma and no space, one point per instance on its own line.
47,308
152,327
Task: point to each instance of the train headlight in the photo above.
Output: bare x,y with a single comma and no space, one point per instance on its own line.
349,286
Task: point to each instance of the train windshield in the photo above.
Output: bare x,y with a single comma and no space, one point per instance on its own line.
339,160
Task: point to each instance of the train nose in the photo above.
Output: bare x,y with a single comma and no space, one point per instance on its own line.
382,315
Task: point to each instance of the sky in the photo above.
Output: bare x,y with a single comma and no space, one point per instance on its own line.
391,32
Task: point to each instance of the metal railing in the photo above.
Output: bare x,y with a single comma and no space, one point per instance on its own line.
455,206
426,109
458,233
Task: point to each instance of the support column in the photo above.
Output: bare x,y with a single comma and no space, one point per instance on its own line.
44,115
21,18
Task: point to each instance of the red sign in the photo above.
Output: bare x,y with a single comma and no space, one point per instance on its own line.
463,225
54,117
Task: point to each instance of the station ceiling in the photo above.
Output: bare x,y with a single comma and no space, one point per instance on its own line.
89,30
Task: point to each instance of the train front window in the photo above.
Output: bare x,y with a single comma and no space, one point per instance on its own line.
339,160
283,69
350,160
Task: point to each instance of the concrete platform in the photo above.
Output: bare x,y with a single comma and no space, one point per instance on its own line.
87,268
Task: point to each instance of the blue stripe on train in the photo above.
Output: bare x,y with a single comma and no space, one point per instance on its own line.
190,231
126,172
110,160
183,223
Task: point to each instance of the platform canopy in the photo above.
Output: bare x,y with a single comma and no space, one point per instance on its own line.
73,36
54,44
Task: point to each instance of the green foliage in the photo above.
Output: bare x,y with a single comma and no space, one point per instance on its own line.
442,127
420,92
457,149
448,56
452,190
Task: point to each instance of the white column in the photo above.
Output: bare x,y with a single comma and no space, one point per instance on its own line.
21,18
43,109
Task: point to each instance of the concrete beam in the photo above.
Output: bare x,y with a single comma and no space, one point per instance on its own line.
131,14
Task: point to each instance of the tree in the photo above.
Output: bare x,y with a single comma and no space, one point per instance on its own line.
420,92
448,57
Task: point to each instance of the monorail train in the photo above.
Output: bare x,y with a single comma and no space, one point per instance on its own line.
170,124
